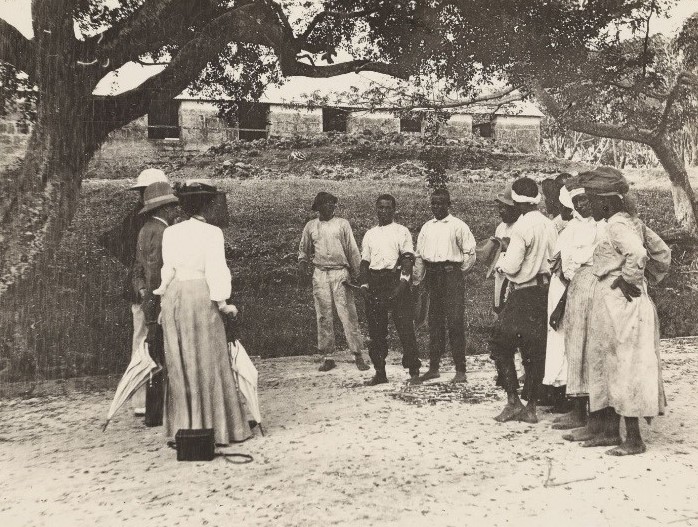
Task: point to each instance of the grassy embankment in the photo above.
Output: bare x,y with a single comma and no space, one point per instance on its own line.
79,324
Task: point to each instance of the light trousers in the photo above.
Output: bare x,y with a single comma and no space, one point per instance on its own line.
329,289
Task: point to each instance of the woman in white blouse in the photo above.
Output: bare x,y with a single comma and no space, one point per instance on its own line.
201,391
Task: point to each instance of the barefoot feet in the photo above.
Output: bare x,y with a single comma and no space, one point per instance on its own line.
511,412
628,448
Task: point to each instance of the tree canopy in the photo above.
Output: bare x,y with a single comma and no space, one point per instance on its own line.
549,47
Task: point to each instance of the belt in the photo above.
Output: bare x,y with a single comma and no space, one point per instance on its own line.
328,268
539,280
439,265
384,271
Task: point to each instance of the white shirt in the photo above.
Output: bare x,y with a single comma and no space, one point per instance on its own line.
531,248
383,245
445,240
194,249
577,243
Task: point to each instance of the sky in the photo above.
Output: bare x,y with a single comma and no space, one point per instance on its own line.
17,13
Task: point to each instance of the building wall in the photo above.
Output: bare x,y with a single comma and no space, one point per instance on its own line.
287,121
13,135
458,125
200,126
520,131
385,122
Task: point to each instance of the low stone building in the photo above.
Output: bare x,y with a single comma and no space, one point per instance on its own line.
190,123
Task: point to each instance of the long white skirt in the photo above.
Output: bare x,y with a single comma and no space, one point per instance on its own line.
555,357
625,371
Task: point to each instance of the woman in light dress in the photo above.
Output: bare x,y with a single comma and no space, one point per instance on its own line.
622,341
196,282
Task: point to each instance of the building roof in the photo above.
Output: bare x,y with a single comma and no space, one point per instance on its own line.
299,90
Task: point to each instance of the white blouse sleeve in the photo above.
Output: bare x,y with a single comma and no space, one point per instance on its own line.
217,273
167,272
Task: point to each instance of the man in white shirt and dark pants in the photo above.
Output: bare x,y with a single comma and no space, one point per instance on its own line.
386,268
523,322
445,252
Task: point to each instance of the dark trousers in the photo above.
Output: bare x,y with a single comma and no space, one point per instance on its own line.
522,325
155,388
381,285
446,288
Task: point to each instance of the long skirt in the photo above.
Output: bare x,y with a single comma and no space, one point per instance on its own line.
201,390
576,322
623,349
555,358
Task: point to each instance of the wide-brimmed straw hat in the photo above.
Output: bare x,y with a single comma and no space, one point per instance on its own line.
505,197
157,195
197,187
149,176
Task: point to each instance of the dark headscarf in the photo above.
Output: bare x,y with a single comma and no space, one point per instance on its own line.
604,181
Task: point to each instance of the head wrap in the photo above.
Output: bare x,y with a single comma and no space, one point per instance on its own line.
604,181
566,198
525,190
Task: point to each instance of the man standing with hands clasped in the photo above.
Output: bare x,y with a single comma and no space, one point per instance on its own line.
445,252
330,243
386,267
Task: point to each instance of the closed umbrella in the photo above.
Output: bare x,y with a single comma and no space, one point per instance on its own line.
246,379
137,374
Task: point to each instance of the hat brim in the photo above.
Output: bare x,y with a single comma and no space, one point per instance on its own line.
153,206
186,193
501,199
137,187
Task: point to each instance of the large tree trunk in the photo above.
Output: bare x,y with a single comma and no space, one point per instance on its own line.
38,202
684,198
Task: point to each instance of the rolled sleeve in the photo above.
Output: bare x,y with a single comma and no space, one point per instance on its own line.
513,259
466,242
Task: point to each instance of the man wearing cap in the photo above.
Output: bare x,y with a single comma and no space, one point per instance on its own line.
509,214
160,209
120,242
329,243
386,268
445,252
523,321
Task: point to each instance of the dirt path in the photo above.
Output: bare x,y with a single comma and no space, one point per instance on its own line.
337,453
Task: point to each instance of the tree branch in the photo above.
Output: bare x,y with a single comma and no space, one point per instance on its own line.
293,68
320,17
671,99
500,98
16,49
612,131
139,34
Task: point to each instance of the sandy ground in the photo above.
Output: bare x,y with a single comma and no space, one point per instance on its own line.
338,453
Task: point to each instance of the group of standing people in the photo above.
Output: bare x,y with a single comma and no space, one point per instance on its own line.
570,294
384,271
179,285
570,297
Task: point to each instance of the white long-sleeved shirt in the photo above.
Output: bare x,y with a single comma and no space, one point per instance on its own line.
445,240
531,248
331,245
383,245
194,249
